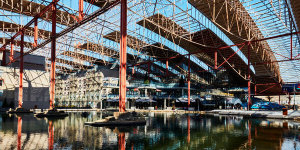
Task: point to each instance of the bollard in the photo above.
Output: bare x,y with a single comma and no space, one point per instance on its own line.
284,111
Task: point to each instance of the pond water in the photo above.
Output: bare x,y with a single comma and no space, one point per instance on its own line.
163,131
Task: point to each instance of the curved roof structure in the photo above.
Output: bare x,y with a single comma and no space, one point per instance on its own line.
215,34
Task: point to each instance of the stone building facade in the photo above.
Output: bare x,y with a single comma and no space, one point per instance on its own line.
79,89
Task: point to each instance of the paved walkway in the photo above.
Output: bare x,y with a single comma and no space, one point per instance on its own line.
292,114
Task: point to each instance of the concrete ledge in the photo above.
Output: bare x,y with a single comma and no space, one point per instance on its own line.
78,110
258,114
169,111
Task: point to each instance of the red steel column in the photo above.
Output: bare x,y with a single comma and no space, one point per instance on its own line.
216,59
133,70
11,57
123,55
35,32
189,81
249,82
21,71
80,17
53,55
255,89
19,141
121,141
167,67
50,136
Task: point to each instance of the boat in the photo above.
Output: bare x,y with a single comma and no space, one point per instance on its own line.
124,119
19,110
266,106
52,114
117,123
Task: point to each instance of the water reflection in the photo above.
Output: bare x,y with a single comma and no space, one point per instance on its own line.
249,133
51,135
121,141
19,132
163,131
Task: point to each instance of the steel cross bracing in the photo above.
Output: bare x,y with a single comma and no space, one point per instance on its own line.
42,44
177,26
232,18
275,18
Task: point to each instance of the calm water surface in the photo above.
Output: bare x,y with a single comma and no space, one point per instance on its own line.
163,131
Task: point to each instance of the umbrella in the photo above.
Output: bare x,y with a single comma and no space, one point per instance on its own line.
234,101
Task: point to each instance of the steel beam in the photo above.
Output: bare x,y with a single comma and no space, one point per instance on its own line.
43,11
80,17
4,40
268,84
267,88
259,40
65,31
31,8
14,28
226,60
123,55
53,55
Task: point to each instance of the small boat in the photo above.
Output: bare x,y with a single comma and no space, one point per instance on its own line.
124,119
19,110
117,123
52,114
